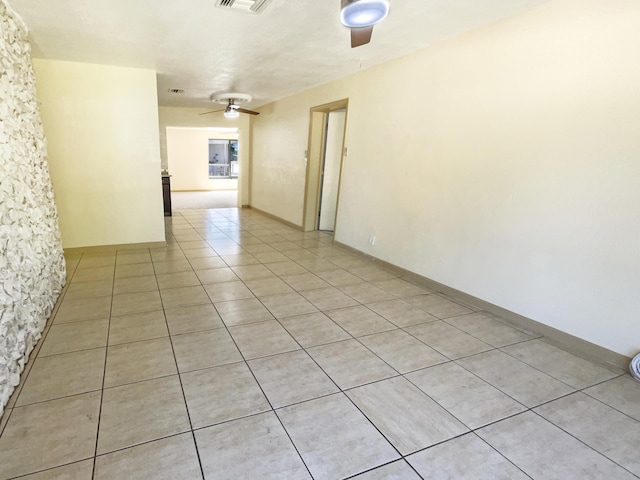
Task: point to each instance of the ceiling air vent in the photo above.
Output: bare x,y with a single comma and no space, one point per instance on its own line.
176,90
245,6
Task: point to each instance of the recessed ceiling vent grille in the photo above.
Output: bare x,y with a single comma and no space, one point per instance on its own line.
245,6
176,90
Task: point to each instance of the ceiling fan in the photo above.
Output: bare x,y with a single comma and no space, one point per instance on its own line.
360,16
231,110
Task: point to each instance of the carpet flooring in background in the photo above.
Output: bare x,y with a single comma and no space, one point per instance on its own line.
204,199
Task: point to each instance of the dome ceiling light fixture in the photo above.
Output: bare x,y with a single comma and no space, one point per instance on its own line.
360,16
231,110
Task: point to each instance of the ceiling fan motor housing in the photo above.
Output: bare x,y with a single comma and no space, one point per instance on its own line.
227,97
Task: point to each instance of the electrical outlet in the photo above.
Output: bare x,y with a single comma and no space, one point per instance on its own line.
372,239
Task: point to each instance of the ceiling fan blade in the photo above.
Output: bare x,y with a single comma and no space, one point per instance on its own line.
243,110
212,111
360,36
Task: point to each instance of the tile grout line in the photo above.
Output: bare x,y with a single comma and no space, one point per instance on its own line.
104,372
191,262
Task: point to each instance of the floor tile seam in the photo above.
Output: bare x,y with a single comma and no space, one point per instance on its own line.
33,356
272,314
373,469
293,443
344,390
57,323
84,297
24,475
8,411
495,386
472,335
404,329
319,367
605,403
438,316
35,352
474,433
583,442
133,263
438,364
410,325
245,360
501,349
385,437
188,431
326,343
357,339
135,382
629,417
129,342
174,287
211,367
518,342
184,396
469,429
134,313
498,319
203,330
272,409
50,355
300,402
104,377
441,442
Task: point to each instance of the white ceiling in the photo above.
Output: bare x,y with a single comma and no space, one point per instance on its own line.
292,46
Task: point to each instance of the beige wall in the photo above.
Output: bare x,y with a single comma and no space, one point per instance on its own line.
188,153
280,135
189,117
505,164
101,123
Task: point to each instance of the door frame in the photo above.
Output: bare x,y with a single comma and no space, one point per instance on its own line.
314,160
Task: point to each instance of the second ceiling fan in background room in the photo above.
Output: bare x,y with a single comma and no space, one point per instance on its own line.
232,110
360,16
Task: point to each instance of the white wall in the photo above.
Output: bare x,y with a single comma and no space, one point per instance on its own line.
518,161
102,128
188,154
190,117
32,267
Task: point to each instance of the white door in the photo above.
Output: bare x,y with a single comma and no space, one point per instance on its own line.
331,170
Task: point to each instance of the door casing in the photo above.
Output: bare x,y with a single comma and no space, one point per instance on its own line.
315,151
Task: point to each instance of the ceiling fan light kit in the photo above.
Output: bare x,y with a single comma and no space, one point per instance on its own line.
360,16
363,13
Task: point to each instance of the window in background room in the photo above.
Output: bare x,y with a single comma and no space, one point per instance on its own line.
223,158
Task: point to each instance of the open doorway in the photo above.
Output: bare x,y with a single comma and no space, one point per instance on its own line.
324,165
330,169
204,166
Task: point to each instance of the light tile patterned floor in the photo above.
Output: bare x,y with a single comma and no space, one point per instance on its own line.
246,349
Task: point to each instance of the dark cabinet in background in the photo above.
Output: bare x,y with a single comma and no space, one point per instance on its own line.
166,194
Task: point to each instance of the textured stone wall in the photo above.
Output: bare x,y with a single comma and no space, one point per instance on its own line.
32,268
